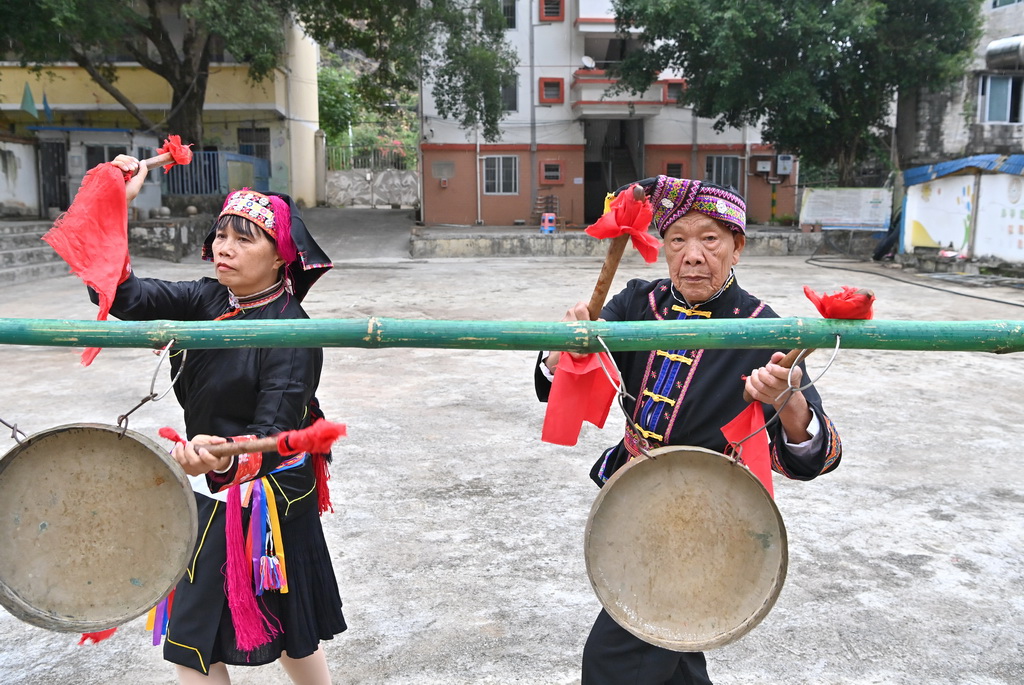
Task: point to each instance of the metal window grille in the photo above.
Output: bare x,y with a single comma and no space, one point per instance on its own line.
501,175
508,8
254,142
551,9
510,97
723,171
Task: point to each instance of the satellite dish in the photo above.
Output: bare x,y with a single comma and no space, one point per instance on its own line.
588,62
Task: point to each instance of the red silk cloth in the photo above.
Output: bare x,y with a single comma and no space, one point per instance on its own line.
849,303
627,215
92,237
180,154
753,453
580,392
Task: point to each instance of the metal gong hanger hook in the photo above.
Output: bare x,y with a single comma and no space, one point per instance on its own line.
620,389
15,431
122,420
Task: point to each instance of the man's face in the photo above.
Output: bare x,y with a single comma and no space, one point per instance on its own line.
700,253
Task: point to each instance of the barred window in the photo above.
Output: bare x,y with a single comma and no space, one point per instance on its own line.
723,171
501,175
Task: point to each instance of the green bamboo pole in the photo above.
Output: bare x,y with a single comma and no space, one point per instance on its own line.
978,336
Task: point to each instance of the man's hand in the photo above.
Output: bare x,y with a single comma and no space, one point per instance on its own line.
577,312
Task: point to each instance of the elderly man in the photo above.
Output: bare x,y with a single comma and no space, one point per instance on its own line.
684,397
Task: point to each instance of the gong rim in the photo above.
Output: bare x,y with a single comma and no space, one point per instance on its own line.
714,555
99,523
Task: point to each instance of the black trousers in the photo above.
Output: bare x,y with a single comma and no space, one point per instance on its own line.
614,656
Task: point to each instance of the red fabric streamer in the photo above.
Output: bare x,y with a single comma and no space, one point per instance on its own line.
315,438
580,392
97,637
323,493
628,215
754,452
180,154
92,237
849,303
252,628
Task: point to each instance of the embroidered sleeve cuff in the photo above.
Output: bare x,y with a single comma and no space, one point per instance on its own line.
244,467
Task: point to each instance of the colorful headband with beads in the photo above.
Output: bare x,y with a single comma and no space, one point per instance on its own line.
256,207
671,198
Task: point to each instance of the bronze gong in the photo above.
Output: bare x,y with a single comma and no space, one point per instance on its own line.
97,527
686,550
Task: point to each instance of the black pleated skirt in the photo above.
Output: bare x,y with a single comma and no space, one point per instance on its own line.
200,631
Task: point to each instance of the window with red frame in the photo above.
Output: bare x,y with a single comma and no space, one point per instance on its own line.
552,91
551,172
552,10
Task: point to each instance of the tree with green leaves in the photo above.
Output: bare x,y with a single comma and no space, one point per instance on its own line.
175,39
818,76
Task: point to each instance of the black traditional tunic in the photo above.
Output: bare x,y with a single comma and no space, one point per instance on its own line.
683,397
234,392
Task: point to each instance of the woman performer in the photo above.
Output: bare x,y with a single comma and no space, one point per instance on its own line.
265,262
684,397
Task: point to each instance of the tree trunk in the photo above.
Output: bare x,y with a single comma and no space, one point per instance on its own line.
186,118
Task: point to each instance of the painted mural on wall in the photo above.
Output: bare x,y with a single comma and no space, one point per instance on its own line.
365,188
1000,225
938,214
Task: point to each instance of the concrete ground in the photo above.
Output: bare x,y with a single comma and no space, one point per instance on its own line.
458,535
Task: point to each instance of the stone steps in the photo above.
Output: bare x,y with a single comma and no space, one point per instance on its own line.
24,256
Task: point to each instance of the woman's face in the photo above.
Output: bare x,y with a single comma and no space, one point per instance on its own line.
245,263
700,252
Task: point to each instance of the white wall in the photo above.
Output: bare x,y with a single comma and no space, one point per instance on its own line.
938,214
1000,225
19,189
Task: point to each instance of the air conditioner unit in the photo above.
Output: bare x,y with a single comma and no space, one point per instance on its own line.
783,165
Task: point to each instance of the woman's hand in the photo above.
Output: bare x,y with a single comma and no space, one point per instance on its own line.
577,312
198,461
138,171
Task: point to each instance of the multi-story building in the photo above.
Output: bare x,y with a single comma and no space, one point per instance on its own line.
982,113
961,150
566,142
77,124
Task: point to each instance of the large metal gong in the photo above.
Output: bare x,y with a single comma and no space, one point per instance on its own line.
687,550
97,528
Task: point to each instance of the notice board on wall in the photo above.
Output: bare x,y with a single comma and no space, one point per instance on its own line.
864,208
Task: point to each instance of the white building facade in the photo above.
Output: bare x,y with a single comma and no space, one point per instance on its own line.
566,142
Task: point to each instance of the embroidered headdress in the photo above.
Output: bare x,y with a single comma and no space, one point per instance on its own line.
671,198
278,217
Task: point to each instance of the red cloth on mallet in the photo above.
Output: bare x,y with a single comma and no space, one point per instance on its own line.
180,154
849,303
315,438
628,215
92,237
753,453
580,392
